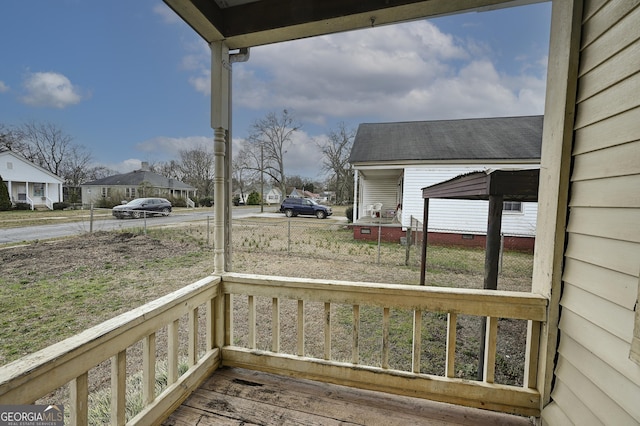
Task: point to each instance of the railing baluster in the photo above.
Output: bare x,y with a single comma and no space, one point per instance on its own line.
118,387
327,331
275,325
172,352
385,338
219,327
210,325
531,355
417,340
300,327
228,319
193,337
149,369
452,322
251,306
491,336
355,350
79,396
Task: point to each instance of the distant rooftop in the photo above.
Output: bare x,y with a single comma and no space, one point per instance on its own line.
137,177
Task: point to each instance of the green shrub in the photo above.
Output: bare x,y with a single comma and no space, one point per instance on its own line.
253,199
60,206
349,213
22,206
5,200
177,201
107,203
205,202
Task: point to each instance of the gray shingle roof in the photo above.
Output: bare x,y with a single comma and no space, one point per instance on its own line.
136,177
503,138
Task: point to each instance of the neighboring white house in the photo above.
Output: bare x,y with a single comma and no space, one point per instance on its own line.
29,183
273,196
393,161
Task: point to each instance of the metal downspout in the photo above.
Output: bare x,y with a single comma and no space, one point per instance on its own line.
241,56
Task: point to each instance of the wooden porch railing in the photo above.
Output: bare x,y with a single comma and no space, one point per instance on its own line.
28,379
34,376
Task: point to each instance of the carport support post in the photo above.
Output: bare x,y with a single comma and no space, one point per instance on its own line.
220,123
491,262
423,255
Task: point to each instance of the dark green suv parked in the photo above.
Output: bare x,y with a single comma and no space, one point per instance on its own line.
304,206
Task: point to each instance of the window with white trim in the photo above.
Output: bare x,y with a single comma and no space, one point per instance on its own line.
512,207
38,189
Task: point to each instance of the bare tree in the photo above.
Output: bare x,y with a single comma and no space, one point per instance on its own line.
99,172
46,145
268,143
75,170
303,183
10,139
170,169
243,171
336,149
197,167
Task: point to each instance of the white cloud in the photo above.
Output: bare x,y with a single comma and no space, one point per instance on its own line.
165,12
198,63
403,72
50,89
125,166
3,87
303,157
410,71
166,148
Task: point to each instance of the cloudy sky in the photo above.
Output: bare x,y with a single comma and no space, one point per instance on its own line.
130,81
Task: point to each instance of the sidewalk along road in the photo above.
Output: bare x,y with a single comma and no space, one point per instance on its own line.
108,223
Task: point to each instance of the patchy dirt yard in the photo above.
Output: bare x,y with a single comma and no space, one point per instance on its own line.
52,290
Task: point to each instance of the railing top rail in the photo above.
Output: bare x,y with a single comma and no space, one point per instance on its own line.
110,337
498,303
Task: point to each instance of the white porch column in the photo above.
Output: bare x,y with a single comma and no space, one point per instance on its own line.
356,201
220,117
555,170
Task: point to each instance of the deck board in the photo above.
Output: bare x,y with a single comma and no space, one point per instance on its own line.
234,396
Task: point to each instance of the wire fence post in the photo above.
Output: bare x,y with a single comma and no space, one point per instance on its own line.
208,229
91,218
407,254
289,236
144,215
379,238
501,255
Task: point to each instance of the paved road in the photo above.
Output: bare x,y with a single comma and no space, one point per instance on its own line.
106,222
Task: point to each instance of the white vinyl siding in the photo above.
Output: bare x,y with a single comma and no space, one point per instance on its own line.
596,381
383,191
460,216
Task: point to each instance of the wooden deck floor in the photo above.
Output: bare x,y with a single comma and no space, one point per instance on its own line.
235,396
